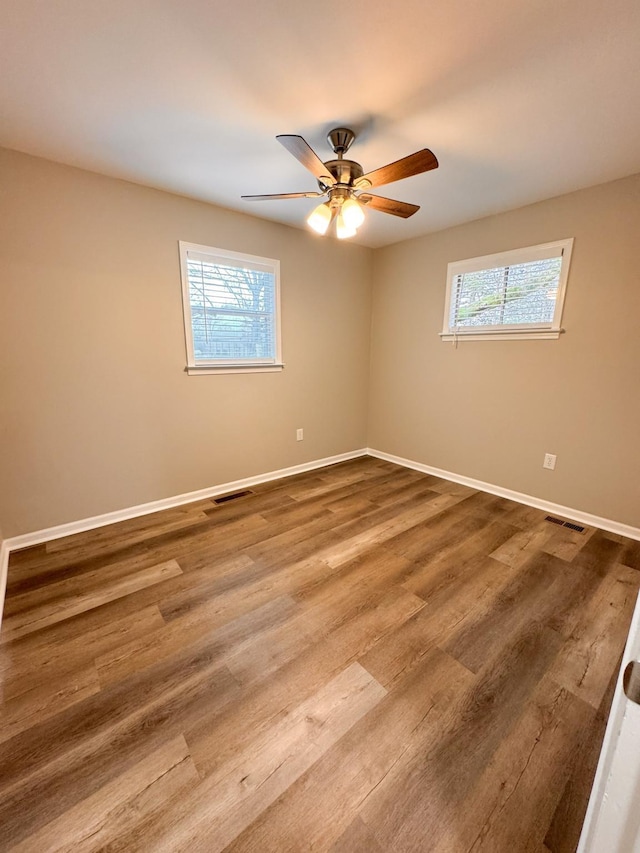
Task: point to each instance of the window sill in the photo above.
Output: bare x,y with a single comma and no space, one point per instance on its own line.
524,335
207,369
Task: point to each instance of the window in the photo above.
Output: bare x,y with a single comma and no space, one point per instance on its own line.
231,311
512,295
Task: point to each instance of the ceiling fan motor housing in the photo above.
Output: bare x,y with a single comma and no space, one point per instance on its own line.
346,172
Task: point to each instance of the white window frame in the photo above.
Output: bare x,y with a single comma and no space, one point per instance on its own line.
211,366
511,331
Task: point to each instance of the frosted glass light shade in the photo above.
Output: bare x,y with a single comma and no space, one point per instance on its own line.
319,218
342,229
352,213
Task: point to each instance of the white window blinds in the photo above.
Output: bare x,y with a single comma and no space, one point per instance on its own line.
231,304
515,291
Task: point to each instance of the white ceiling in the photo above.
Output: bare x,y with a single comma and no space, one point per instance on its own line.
520,100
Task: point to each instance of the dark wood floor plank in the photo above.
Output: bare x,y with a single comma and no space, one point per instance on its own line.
567,544
357,543
630,555
448,487
266,699
449,764
57,763
459,603
42,702
356,839
542,587
213,625
588,657
599,553
68,600
351,772
398,489
36,579
522,545
436,535
353,503
360,657
329,585
387,514
486,505
565,827
222,575
252,583
435,571
58,553
57,652
324,493
256,502
258,658
530,765
230,799
129,532
106,818
211,540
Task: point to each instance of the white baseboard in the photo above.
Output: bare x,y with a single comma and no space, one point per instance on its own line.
585,518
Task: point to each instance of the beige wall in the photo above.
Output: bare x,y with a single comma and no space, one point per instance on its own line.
97,413
491,409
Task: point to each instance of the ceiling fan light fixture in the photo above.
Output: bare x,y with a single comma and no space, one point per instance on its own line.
352,213
320,218
343,230
343,181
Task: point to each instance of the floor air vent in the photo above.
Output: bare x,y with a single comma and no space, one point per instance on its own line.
223,499
577,527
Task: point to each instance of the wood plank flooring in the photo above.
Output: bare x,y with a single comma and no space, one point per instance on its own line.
361,658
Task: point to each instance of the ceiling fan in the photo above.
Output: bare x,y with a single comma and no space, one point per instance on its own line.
346,185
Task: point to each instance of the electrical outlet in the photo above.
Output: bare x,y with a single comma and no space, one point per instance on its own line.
549,461
299,434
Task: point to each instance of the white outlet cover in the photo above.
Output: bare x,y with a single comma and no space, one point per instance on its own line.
549,461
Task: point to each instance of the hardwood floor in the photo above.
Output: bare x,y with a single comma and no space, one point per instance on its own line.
361,658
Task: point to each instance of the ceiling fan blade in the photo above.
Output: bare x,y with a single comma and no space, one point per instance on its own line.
389,205
280,195
303,152
414,164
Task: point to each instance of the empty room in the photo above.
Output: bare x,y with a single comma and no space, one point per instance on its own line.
319,426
